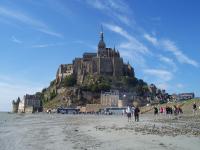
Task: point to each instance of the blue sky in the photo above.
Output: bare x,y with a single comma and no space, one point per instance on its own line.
159,38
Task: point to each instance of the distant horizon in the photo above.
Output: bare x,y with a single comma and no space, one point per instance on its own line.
160,39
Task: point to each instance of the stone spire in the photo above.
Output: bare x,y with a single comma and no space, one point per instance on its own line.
118,53
101,35
101,44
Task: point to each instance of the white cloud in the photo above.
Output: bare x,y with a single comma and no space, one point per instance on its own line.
132,49
119,5
15,40
42,45
163,85
165,59
23,18
97,4
180,85
49,32
119,30
181,57
20,17
168,61
114,5
117,9
122,18
132,42
151,39
160,77
170,46
159,74
133,57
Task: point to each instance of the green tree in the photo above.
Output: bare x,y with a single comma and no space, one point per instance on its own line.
141,83
53,94
69,81
53,83
94,88
44,90
130,81
104,86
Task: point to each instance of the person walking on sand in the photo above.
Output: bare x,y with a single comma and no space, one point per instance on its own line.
123,112
128,112
194,107
155,110
161,110
175,110
198,110
136,113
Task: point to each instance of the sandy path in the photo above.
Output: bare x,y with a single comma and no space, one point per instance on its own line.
53,132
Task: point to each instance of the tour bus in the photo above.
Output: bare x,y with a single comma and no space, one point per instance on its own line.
68,110
113,110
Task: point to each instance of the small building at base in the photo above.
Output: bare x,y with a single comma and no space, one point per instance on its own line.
29,104
116,99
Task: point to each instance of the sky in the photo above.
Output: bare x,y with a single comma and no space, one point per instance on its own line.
160,39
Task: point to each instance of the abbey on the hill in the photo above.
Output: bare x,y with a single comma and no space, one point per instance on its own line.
106,61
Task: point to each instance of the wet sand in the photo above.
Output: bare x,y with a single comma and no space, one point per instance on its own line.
86,132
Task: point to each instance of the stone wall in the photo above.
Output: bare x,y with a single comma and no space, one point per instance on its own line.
106,66
90,96
15,108
93,107
21,107
118,66
29,109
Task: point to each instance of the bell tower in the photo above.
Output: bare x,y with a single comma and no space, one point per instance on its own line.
102,46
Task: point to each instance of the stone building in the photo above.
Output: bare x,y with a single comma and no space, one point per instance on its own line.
114,98
106,61
21,107
63,71
15,105
93,108
30,103
110,99
185,96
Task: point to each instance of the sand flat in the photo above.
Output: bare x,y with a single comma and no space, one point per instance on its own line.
56,131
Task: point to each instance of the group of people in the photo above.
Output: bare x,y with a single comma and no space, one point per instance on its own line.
176,110
130,111
168,110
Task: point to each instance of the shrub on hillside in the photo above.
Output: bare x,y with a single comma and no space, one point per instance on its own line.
69,81
130,81
104,86
53,83
52,94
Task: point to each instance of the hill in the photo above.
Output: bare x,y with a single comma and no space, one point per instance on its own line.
82,82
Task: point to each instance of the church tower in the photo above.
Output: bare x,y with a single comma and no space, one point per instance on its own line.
102,52
101,44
